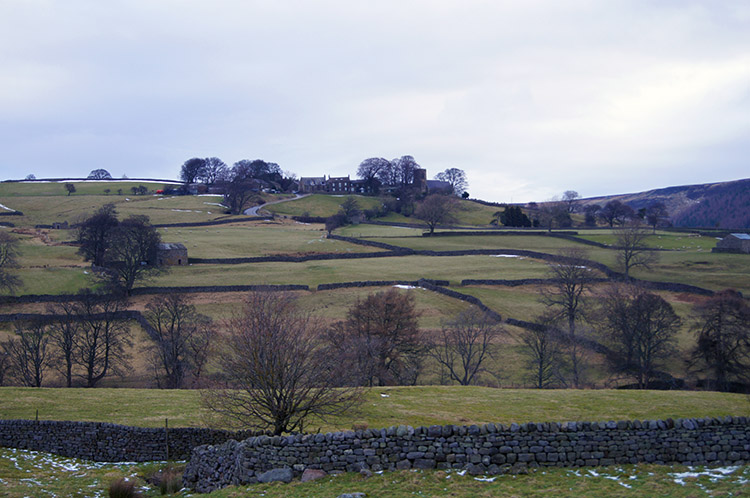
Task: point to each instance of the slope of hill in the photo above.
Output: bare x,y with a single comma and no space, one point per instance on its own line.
720,205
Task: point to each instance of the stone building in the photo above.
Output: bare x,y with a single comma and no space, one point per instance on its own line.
172,254
734,242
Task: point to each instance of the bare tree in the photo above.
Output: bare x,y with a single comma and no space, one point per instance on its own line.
642,328
615,212
279,376
131,255
64,334
456,178
656,214
8,259
565,299
350,207
181,341
465,343
380,338
29,354
70,188
104,336
212,171
99,174
94,234
370,170
544,356
632,250
436,209
4,362
192,169
722,326
569,197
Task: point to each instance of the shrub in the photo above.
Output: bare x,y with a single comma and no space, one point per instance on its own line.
123,488
168,480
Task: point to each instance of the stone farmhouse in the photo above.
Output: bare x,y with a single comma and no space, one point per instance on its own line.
734,242
171,254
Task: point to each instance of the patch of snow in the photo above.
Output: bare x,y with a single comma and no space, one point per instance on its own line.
7,208
401,286
506,256
485,479
214,204
209,195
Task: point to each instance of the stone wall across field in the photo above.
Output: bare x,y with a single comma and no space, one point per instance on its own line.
103,442
485,449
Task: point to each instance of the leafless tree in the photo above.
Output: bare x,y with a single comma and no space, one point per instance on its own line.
632,250
641,327
104,336
279,377
181,341
569,197
131,255
94,234
457,179
615,212
28,353
544,356
371,169
464,343
565,299
4,362
8,259
213,170
64,334
436,209
380,339
722,326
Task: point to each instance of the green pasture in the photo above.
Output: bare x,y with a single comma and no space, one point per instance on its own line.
257,239
36,189
313,273
418,405
321,205
45,203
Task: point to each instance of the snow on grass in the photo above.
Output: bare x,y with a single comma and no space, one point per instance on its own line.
7,208
713,474
506,256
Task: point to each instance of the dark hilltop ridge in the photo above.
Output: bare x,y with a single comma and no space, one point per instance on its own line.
709,205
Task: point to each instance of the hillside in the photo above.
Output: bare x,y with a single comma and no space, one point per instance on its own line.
710,205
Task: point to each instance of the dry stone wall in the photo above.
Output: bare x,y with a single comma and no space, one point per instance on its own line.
485,449
103,442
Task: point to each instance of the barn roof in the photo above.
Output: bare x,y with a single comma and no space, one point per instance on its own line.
742,236
171,246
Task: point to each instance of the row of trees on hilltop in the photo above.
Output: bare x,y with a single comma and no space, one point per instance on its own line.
398,173
240,182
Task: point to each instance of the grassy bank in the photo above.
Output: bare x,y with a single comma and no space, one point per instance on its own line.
422,405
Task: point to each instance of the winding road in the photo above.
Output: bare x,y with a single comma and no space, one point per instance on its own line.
253,211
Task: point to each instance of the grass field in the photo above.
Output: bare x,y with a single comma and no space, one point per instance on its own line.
453,268
258,239
320,205
421,405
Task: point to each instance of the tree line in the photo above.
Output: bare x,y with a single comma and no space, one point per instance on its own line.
88,338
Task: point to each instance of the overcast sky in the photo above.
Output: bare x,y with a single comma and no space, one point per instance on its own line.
530,98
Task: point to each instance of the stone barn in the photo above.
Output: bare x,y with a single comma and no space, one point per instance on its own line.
734,242
172,254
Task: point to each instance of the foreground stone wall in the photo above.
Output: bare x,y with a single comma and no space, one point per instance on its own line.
486,449
102,442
